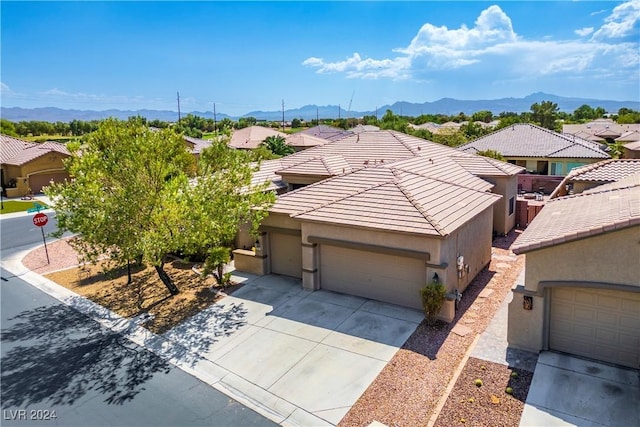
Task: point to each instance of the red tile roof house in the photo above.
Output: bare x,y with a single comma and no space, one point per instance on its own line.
539,150
582,278
380,214
30,166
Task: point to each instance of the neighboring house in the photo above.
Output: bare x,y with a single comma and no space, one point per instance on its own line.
631,150
29,166
251,137
582,278
539,150
301,141
593,175
380,214
328,133
196,145
600,130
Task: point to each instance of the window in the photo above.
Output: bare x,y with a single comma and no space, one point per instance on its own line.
556,168
572,165
512,205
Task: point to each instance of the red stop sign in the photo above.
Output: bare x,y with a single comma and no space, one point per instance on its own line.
40,219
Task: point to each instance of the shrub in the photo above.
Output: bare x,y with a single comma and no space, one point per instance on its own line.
433,295
478,382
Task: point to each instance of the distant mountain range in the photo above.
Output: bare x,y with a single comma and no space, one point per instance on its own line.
446,106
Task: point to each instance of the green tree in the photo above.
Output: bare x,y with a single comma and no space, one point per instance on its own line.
545,114
584,112
296,123
7,128
277,145
393,122
135,195
482,116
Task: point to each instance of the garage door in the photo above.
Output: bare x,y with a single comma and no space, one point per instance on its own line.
595,323
36,182
382,277
286,254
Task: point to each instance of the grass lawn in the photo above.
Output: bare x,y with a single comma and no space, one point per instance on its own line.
11,206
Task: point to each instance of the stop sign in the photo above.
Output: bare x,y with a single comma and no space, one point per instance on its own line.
40,219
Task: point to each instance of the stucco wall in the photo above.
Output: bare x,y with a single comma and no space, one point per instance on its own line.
507,187
607,258
473,242
48,162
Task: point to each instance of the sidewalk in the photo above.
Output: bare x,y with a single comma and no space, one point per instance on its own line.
182,357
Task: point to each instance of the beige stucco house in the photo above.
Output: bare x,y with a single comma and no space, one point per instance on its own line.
29,166
539,150
380,214
582,282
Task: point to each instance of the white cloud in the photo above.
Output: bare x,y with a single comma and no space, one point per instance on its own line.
621,22
598,12
5,90
493,45
584,31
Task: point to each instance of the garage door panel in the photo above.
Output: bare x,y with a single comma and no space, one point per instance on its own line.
382,277
286,254
596,323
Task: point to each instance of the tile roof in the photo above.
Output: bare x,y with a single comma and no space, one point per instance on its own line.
198,144
267,173
329,165
631,136
251,137
603,127
605,208
14,151
389,199
605,171
486,166
527,140
634,146
304,140
327,132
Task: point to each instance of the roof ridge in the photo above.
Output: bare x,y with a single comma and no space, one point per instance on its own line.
404,144
595,190
433,178
417,204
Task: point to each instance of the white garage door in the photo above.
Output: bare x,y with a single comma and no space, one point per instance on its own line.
286,254
596,323
382,277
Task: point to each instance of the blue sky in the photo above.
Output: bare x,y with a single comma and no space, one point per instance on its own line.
247,56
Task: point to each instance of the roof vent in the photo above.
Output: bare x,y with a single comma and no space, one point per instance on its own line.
366,162
431,160
381,160
419,148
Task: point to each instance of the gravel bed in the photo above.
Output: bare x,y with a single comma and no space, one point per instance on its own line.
409,388
61,256
488,404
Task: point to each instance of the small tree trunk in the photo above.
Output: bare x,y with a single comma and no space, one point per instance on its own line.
129,272
173,289
220,268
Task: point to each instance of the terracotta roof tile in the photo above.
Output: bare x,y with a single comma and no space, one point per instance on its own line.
605,208
14,151
527,140
251,137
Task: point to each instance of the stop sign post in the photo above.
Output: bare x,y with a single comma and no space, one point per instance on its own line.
40,220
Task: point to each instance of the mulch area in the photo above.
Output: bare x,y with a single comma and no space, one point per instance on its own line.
408,390
498,401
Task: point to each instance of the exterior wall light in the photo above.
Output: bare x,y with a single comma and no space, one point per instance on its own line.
527,302
436,278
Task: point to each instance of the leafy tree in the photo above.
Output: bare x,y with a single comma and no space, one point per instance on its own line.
482,116
545,114
393,122
473,130
131,197
492,154
296,123
278,146
370,120
7,127
584,112
628,116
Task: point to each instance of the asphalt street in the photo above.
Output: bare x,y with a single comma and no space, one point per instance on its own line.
20,231
60,367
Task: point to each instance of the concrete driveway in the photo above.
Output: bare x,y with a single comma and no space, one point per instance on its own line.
568,391
303,357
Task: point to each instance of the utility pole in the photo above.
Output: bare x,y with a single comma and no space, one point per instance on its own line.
376,113
178,105
317,118
215,121
338,111
283,115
